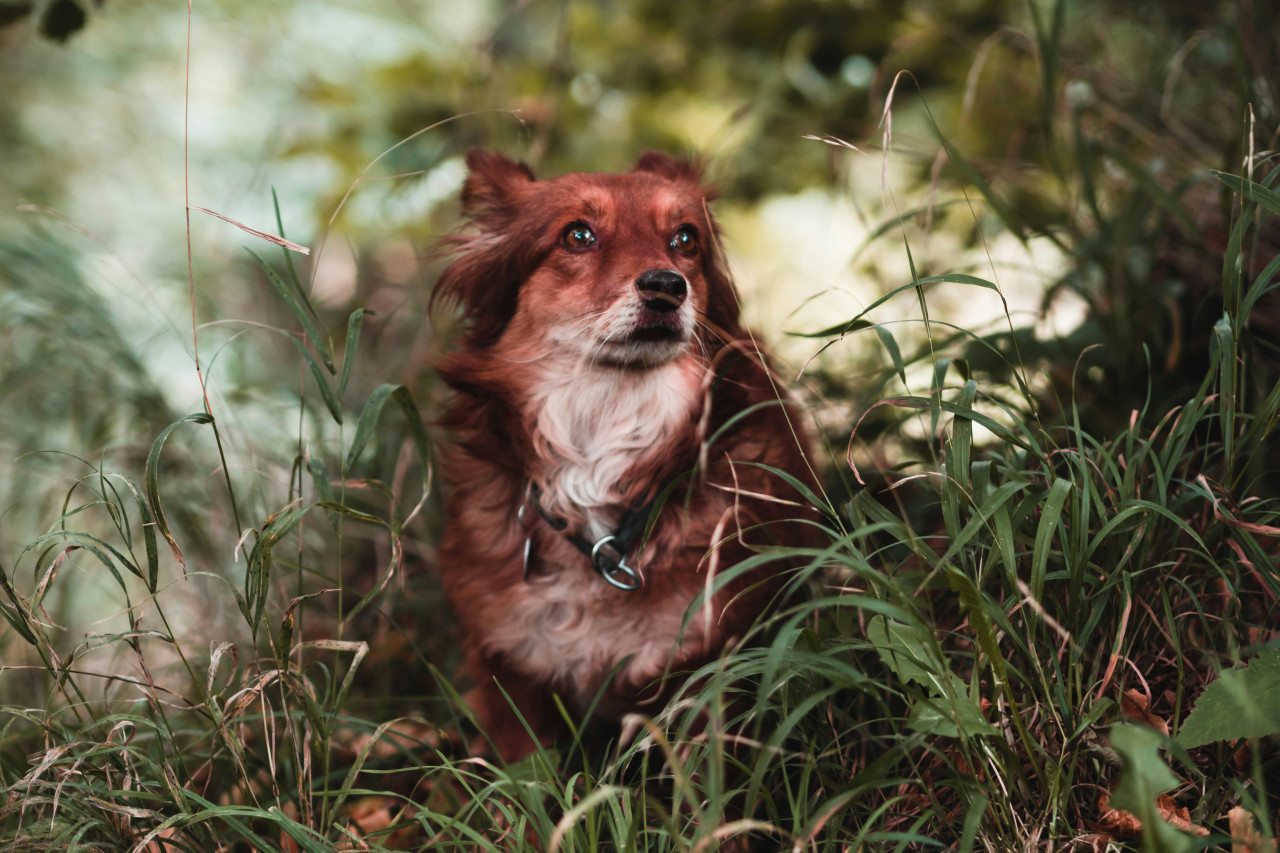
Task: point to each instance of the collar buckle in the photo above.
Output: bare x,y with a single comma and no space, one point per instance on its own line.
611,564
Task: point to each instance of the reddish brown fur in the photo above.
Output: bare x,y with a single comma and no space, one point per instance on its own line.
551,387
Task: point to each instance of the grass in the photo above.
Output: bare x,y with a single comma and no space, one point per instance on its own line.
1008,641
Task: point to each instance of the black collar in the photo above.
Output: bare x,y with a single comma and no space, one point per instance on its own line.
608,554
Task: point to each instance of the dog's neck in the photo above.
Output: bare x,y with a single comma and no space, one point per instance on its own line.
601,435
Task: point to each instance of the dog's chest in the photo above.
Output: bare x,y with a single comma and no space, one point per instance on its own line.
593,428
572,630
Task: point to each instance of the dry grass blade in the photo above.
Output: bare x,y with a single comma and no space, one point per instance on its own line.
261,235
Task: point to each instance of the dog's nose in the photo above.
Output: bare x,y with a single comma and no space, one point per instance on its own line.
662,290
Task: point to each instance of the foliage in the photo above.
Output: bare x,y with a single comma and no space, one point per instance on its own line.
1241,703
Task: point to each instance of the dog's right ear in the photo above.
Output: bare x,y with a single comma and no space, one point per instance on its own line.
492,180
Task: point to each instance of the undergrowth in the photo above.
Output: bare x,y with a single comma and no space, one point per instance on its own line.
1026,632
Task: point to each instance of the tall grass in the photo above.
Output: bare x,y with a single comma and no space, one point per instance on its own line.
999,644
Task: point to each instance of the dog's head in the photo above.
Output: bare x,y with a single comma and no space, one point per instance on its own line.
618,270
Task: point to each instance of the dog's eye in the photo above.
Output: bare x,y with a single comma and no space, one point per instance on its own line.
578,236
685,240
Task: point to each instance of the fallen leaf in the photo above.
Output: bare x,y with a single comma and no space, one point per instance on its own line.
1125,824
1096,842
1135,706
372,814
404,736
1179,816
160,844
1245,837
1116,822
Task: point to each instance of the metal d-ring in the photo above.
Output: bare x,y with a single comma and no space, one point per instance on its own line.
528,539
609,568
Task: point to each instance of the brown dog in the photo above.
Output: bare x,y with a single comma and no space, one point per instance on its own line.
602,359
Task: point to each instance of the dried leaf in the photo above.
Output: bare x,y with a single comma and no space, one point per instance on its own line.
262,235
1123,824
404,736
372,814
1245,837
1135,706
1116,822
1179,816
1095,842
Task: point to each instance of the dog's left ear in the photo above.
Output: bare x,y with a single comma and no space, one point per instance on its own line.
492,180
671,168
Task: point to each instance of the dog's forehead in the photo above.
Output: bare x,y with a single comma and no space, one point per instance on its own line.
625,197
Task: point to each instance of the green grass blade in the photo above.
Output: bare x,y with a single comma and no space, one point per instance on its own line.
1256,193
288,256
354,323
326,391
301,308
990,423
1051,516
369,419
895,354
152,481
858,323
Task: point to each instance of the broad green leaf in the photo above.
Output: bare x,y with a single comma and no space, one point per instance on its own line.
288,256
1242,703
895,354
1143,775
951,716
901,650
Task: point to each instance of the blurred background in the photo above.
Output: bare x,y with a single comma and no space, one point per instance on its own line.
857,145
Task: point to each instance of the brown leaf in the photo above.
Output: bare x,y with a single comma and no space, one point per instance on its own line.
1123,824
372,814
160,844
1245,837
1119,823
1178,816
403,736
1135,705
263,235
1095,842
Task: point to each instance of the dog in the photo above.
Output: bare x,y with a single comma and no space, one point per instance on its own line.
614,434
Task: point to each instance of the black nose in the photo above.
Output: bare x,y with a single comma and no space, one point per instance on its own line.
662,290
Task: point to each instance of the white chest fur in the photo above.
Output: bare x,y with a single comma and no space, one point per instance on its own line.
593,425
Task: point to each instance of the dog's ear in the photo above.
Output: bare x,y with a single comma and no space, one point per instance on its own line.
666,166
492,180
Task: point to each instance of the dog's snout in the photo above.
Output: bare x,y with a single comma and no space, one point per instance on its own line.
662,290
